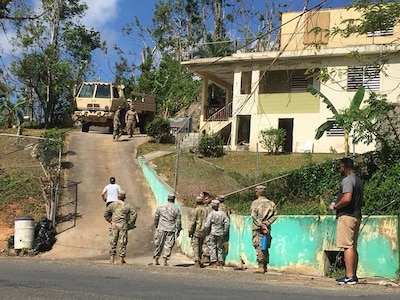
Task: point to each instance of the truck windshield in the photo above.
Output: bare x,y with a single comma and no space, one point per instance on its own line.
86,91
103,91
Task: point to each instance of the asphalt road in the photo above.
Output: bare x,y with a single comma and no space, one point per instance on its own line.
31,278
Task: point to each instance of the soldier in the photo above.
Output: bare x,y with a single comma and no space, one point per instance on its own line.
223,207
263,211
117,126
207,204
197,230
131,118
217,223
121,216
167,220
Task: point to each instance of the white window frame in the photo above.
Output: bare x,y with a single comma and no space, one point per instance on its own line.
367,76
384,32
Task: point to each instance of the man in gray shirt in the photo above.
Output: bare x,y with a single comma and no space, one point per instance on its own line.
167,220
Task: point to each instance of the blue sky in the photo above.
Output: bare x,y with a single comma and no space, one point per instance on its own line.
120,12
109,16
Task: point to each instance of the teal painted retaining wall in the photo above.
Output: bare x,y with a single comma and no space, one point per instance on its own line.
299,242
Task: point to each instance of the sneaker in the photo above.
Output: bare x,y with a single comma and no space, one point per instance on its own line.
347,280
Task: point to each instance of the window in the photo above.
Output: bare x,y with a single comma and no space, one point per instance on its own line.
317,28
86,91
298,83
367,76
382,32
334,129
103,91
245,87
115,92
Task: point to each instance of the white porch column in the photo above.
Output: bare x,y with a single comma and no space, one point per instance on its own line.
204,96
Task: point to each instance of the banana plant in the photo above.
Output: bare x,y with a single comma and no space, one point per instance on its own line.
7,107
344,118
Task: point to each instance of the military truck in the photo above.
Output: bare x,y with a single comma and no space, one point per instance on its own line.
96,103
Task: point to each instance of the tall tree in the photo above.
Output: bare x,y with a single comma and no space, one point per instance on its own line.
52,47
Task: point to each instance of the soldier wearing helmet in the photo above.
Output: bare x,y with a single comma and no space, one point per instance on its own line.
217,224
197,230
263,212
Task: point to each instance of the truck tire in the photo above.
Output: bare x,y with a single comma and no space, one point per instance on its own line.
85,127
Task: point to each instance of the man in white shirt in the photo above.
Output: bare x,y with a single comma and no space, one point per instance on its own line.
110,191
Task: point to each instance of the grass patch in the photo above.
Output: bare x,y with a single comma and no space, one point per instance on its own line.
20,187
232,172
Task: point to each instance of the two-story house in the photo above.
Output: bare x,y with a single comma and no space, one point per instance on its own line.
268,89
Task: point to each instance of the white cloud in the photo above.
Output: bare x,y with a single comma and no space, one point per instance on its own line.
100,13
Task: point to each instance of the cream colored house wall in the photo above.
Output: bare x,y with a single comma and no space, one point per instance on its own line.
305,124
295,27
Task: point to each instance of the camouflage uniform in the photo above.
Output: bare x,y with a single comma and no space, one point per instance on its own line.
263,211
223,207
121,216
197,230
217,223
205,249
117,126
131,117
167,220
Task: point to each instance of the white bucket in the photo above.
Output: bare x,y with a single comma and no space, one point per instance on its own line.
24,233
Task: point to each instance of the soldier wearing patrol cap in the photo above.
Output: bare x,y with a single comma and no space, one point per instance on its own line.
197,230
217,223
207,204
223,207
117,124
263,212
121,216
167,220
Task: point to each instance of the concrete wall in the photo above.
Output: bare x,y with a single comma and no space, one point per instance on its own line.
299,242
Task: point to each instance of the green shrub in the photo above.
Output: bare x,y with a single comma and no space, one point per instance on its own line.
381,190
211,145
272,139
159,129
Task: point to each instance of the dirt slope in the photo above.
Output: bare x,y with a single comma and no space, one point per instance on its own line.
91,159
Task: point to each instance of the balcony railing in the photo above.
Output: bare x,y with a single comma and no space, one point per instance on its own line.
219,114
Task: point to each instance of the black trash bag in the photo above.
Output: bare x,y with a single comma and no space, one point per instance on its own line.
10,242
45,236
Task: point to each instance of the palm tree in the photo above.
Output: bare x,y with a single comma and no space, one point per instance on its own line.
344,118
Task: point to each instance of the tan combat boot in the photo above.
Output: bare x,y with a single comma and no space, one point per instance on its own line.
155,261
111,259
205,259
260,269
165,261
122,260
220,265
197,264
212,265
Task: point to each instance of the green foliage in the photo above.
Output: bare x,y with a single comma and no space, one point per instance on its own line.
378,122
345,119
48,150
381,189
211,145
48,71
272,139
159,129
